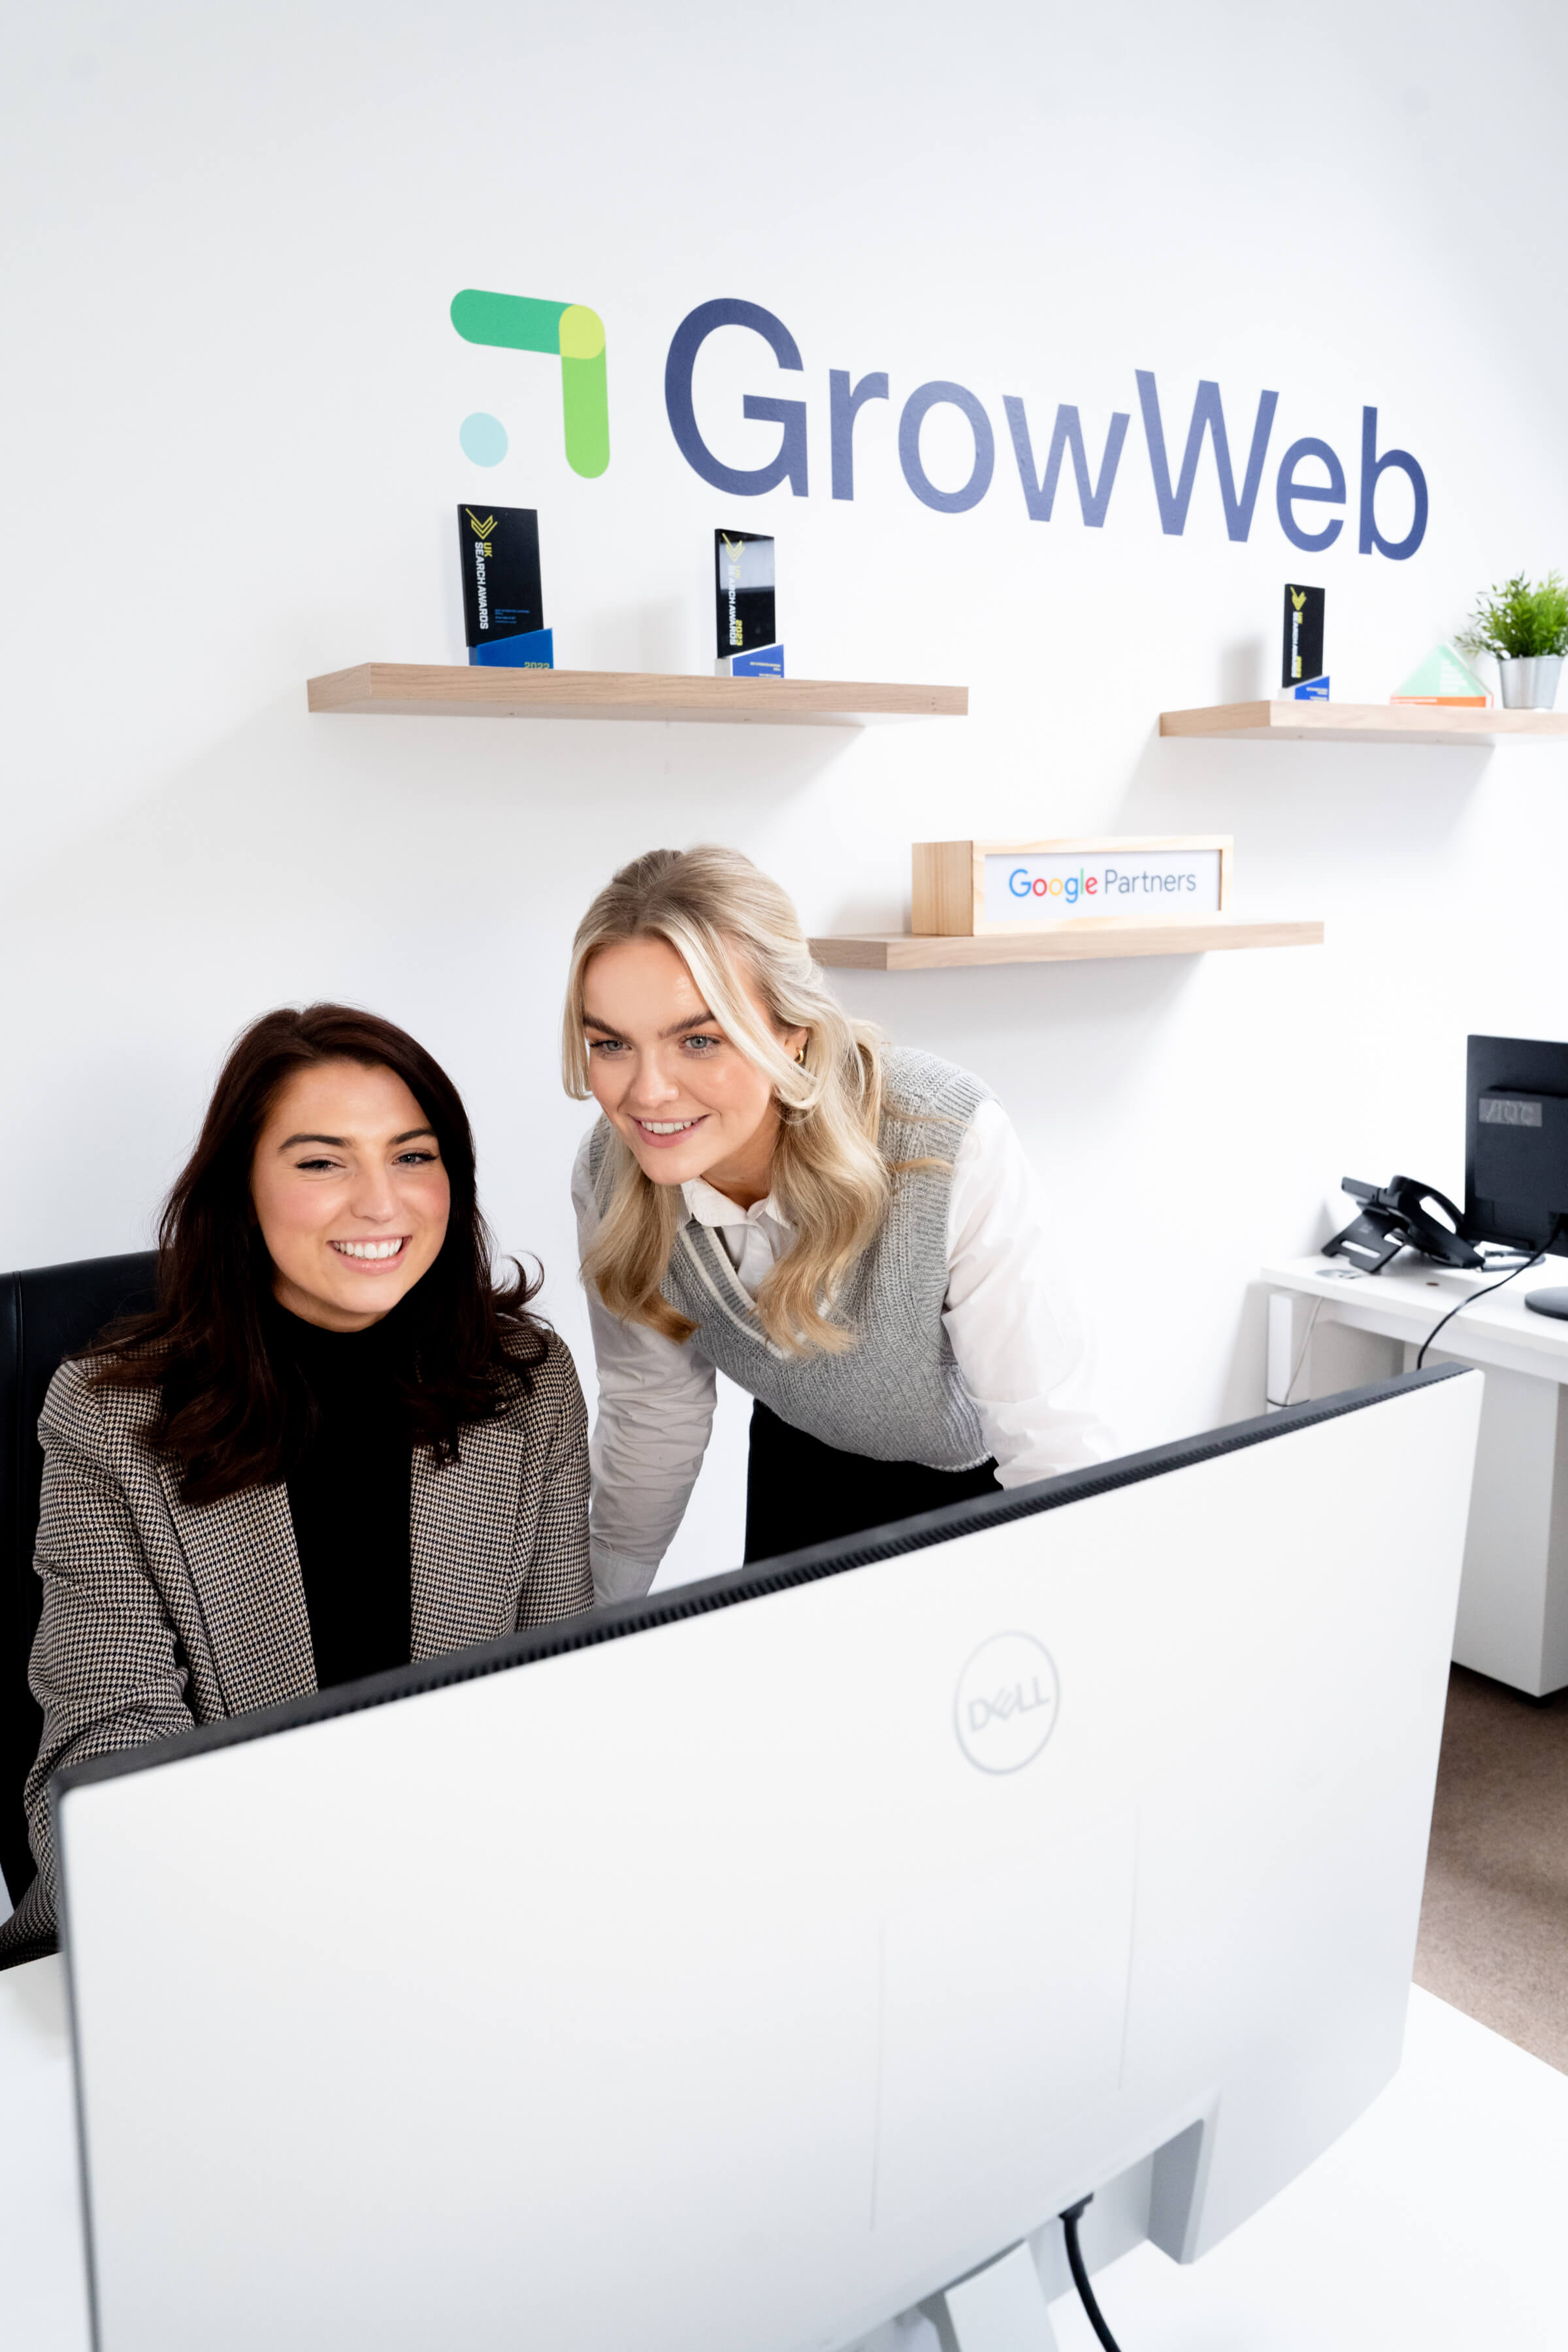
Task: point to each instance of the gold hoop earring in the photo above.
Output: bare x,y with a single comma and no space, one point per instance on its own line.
801,1055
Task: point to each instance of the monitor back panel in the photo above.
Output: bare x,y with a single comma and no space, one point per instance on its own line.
1516,1140
735,1981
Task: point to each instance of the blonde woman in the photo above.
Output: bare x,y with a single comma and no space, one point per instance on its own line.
848,1228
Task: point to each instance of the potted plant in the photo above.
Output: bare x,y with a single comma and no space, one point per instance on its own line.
1527,629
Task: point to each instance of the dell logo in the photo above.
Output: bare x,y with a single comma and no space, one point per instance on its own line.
1016,1701
1004,1708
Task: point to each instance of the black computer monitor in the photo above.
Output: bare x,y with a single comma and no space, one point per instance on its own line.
1516,1141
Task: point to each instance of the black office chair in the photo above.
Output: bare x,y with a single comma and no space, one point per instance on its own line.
45,1314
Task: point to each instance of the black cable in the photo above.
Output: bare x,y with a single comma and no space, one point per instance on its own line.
1486,1293
1069,2221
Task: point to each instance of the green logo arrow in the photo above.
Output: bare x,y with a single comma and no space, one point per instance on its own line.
567,330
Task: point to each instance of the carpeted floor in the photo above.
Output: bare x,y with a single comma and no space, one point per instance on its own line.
1494,1923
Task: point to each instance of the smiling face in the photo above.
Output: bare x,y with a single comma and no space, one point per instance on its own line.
664,1073
350,1193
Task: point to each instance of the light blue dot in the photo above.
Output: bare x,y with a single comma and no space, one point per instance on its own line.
483,438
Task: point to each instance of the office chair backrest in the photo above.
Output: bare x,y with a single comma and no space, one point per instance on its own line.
45,1314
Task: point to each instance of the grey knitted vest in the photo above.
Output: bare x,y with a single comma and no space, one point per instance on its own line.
897,1394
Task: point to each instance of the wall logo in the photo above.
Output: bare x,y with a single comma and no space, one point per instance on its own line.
1294,487
567,330
1004,1708
1310,475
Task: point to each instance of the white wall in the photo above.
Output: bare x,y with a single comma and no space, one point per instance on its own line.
232,400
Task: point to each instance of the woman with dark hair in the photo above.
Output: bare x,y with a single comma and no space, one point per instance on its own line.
332,1447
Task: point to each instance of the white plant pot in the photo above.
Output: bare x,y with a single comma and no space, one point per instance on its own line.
1529,682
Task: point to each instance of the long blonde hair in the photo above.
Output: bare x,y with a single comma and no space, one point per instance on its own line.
728,922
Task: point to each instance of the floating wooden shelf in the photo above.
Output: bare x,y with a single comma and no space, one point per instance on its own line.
1360,722
1063,943
427,689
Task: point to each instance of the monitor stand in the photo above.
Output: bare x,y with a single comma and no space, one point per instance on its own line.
1548,1302
1001,2308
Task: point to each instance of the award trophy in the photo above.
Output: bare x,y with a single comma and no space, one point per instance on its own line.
748,642
1443,680
1301,677
503,603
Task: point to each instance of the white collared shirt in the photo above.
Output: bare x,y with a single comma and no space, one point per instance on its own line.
1008,1313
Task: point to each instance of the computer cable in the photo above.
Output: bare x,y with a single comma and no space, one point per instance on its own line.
1069,2221
1277,1403
1475,1295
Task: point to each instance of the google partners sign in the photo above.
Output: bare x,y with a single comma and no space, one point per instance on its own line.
965,888
1118,882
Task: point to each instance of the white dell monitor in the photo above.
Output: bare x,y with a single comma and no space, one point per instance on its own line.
727,1971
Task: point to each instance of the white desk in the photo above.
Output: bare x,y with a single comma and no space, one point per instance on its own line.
1436,2221
1513,1602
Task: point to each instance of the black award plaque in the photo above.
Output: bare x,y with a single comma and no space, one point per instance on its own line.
1303,654
744,561
501,592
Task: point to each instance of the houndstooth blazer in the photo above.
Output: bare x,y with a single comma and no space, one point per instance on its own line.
158,1614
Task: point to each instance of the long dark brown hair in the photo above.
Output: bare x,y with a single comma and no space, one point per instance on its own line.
223,1413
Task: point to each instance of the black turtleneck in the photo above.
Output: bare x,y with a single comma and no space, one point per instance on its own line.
349,1489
